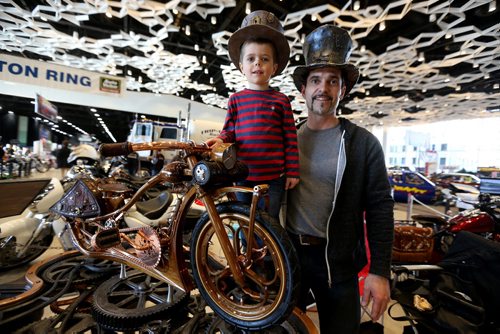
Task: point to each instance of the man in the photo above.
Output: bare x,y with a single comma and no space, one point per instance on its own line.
343,183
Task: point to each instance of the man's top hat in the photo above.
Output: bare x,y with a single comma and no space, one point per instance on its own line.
260,24
327,46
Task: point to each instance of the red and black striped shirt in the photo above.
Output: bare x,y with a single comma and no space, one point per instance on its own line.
261,123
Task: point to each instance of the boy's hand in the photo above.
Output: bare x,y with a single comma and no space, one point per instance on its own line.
212,141
291,183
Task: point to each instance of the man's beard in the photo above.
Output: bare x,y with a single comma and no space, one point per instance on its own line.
323,107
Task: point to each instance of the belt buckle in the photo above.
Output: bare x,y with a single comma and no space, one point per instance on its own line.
302,242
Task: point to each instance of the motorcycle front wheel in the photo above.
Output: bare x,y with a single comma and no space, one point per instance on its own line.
271,272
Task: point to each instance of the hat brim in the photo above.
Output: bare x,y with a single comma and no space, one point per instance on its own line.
351,74
259,31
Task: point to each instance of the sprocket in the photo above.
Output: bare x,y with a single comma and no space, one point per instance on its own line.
127,304
147,237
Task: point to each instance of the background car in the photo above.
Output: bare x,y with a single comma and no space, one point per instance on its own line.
444,179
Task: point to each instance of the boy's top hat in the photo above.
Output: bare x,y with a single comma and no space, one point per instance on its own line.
327,46
260,24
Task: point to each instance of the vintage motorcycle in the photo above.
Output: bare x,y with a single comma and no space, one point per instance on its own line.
240,259
25,237
426,238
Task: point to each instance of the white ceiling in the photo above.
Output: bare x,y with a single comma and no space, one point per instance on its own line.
386,94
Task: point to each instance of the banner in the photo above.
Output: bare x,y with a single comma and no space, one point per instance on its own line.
46,74
46,109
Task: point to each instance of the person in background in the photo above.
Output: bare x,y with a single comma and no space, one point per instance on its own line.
2,152
259,119
343,183
62,158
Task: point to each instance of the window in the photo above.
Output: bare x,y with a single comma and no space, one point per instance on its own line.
403,161
168,133
143,130
444,147
442,161
414,161
403,148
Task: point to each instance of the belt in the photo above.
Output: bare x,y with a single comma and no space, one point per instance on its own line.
308,240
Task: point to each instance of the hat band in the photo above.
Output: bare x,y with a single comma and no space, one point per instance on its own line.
326,59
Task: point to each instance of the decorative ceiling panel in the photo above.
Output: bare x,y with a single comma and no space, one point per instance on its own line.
420,61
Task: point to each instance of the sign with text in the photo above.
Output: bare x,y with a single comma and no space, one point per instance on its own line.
46,74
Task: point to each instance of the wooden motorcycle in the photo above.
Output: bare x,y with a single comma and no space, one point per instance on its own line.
238,257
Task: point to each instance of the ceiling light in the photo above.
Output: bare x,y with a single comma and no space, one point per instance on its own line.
205,70
175,11
496,86
487,76
313,17
211,80
297,57
188,30
432,17
356,5
93,109
492,6
448,35
213,20
108,13
204,59
362,48
196,47
248,8
381,27
421,57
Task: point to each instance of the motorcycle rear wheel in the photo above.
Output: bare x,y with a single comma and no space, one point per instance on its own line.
271,274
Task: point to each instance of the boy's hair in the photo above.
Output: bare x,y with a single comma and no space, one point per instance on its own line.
259,40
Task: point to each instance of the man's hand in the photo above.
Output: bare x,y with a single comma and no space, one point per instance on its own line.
291,182
376,288
212,141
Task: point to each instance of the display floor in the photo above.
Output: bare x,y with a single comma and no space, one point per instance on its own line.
18,276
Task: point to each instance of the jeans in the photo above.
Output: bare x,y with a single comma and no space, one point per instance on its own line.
339,308
275,194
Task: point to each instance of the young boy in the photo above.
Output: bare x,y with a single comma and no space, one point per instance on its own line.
259,119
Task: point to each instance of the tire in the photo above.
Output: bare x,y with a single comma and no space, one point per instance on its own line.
268,298
9,258
41,167
297,323
127,304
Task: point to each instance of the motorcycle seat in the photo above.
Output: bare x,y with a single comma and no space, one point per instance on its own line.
155,207
429,220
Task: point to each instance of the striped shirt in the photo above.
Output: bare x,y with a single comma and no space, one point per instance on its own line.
261,123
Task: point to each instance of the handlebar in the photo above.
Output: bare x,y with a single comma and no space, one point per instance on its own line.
126,148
